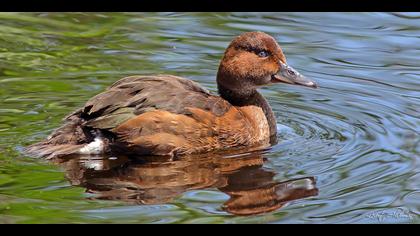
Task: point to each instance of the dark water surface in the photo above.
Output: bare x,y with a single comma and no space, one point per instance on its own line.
349,151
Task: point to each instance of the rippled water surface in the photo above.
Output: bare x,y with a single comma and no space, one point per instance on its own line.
348,151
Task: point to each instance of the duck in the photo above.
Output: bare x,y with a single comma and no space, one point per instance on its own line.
167,115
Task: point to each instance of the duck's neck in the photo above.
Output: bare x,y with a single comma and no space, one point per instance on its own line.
247,98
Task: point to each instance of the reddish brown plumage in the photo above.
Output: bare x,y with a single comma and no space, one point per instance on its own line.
161,132
169,115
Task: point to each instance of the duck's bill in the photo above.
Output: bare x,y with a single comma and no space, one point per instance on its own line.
289,75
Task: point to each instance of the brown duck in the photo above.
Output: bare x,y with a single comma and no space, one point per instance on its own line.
165,115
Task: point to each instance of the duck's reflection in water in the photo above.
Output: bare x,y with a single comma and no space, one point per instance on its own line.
251,187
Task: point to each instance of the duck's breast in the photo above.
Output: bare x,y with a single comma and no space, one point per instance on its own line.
260,129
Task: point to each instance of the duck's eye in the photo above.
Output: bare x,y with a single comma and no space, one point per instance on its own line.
263,53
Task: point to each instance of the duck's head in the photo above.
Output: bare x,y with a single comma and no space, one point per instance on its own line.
255,59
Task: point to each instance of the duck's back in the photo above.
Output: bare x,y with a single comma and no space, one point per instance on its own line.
155,115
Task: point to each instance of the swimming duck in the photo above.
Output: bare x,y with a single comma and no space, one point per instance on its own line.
166,115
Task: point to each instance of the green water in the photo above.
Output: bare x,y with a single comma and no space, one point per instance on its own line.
349,151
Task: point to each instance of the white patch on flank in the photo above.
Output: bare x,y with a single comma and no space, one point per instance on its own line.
95,147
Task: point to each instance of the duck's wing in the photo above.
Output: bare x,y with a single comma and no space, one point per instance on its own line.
136,95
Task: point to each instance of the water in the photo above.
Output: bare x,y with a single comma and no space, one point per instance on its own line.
349,151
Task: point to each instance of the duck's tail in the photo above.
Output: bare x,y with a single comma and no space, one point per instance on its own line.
71,138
